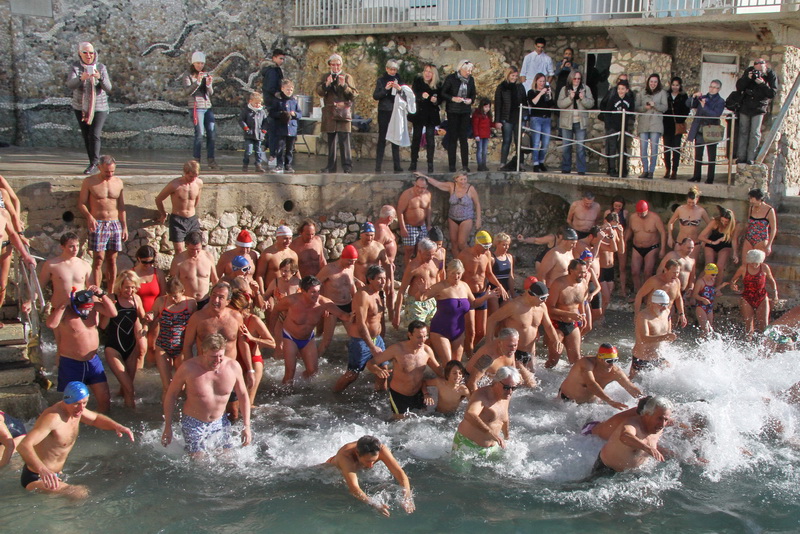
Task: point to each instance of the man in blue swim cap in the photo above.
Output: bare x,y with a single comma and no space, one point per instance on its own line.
370,252
45,449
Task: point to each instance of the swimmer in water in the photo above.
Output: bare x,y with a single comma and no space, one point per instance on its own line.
46,447
12,432
588,378
364,454
451,388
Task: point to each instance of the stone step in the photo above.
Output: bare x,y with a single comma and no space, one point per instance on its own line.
786,239
785,272
13,353
783,254
16,373
789,205
24,402
789,222
12,334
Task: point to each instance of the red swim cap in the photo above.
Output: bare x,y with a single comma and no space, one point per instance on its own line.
642,206
350,253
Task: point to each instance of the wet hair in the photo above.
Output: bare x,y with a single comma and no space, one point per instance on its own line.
435,234
67,237
452,364
415,325
213,343
240,300
574,264
278,52
387,210
192,166
506,372
368,445
502,236
290,263
145,251
425,244
106,160
374,271
304,223
640,405
594,230
693,193
679,80
757,194
455,266
685,240
655,403
223,285
307,282
658,88
588,195
755,256
123,277
435,71
671,263
175,286
506,333
612,217
194,238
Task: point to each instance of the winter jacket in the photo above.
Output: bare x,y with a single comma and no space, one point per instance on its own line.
705,115
385,97
283,123
101,87
567,105
508,97
427,112
613,121
544,106
481,124
652,121
331,95
756,95
252,122
450,89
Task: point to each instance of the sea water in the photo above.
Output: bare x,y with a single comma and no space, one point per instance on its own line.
738,474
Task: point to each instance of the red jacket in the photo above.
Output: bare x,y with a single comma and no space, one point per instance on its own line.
481,124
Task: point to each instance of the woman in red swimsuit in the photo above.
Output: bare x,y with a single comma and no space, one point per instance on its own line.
153,285
754,303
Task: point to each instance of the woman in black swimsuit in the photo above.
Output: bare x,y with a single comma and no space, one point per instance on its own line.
690,216
717,239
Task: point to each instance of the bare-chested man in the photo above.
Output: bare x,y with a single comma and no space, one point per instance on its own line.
588,378
363,454
668,281
195,268
369,308
66,271
370,252
303,312
583,214
269,264
385,236
613,243
45,449
649,242
419,275
492,356
216,318
244,247
309,249
683,254
184,193
409,359
554,264
208,380
414,215
565,306
484,429
653,328
102,203
477,261
75,319
525,314
339,286
635,440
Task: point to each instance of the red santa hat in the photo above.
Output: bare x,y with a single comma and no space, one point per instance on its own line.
244,239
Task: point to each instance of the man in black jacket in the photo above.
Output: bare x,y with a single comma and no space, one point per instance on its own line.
758,85
271,78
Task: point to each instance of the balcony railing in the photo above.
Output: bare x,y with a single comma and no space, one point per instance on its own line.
363,13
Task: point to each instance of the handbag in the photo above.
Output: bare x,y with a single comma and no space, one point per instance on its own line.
734,101
680,128
713,133
343,113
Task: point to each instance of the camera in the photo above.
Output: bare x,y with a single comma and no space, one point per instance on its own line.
757,73
547,85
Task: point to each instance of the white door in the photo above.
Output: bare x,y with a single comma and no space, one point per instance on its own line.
727,73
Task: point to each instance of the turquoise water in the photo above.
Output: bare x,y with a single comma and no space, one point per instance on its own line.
748,485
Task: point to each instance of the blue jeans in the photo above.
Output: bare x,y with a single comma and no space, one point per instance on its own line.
509,134
205,125
649,145
578,134
252,146
540,141
482,150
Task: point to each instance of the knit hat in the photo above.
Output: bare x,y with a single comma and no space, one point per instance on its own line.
198,57
244,239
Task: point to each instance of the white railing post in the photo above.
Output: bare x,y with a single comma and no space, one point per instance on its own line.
519,139
621,148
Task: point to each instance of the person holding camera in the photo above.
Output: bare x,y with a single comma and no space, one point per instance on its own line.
90,85
199,86
758,85
573,98
542,99
709,108
651,103
338,92
564,67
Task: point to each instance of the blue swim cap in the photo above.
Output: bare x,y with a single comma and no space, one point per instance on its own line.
75,391
239,263
367,228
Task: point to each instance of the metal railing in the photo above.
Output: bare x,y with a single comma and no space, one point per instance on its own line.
727,120
310,14
29,290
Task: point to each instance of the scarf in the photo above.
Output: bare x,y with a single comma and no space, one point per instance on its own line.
463,89
259,108
89,94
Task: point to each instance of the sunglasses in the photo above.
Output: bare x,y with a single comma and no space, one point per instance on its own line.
147,262
509,388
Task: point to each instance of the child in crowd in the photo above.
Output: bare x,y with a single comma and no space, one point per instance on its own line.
482,130
287,283
285,113
171,312
451,388
440,254
705,290
253,121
